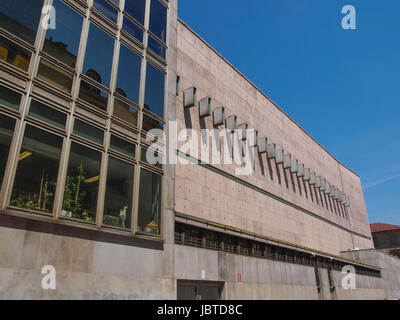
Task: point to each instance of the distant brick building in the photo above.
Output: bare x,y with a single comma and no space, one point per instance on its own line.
386,238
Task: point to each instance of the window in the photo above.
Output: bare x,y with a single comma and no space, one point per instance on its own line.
99,55
55,76
156,47
10,98
47,114
128,79
136,9
119,193
132,29
82,183
36,177
106,9
125,112
149,215
158,19
154,97
152,154
150,123
93,95
89,132
122,146
6,133
63,42
15,55
21,17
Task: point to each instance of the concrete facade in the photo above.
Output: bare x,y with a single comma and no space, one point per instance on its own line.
390,269
269,204
230,203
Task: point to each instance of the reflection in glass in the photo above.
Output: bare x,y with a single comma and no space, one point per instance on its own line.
99,55
149,216
158,19
132,29
14,54
136,9
155,85
47,114
10,98
37,171
119,193
63,42
21,18
128,78
82,183
106,9
6,133
122,146
89,132
156,47
125,112
55,76
93,95
150,123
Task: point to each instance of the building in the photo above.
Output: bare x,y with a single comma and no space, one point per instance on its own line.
85,95
386,238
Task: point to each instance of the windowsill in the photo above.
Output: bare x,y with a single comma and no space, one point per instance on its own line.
13,218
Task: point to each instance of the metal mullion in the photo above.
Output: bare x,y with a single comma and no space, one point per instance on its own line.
102,189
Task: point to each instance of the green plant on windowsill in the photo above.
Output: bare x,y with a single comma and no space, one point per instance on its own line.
38,201
74,197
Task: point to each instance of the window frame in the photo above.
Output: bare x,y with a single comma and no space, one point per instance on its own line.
74,107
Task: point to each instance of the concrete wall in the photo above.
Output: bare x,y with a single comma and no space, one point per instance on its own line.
267,279
390,269
85,269
213,197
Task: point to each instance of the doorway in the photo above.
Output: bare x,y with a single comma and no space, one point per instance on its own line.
199,290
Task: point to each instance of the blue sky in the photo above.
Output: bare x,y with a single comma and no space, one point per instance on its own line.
342,86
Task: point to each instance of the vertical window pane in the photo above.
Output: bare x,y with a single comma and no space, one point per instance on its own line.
149,217
133,29
99,55
119,193
6,133
21,17
125,112
158,19
106,9
45,113
136,9
10,98
14,54
152,154
122,146
156,47
63,42
82,183
155,84
37,171
93,95
150,123
89,132
55,76
128,79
